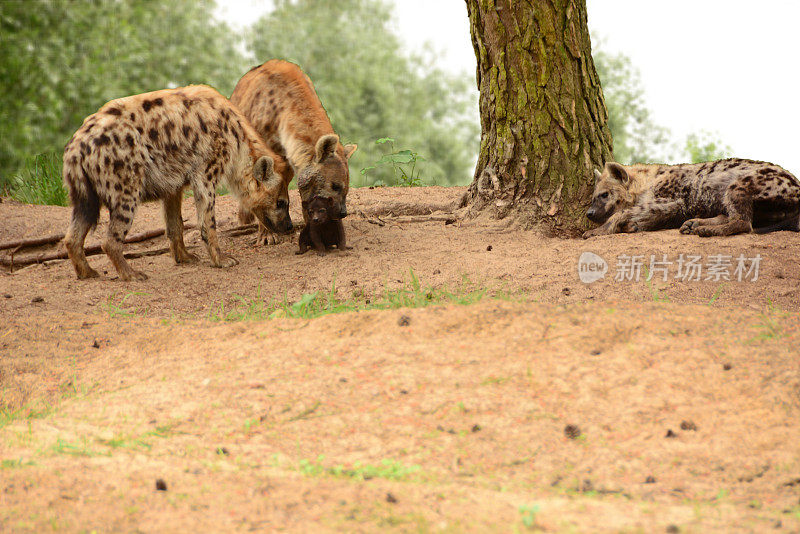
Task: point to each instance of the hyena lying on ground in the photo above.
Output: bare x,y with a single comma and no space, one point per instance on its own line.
152,146
725,197
281,103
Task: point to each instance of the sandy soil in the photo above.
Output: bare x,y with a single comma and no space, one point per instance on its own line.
660,406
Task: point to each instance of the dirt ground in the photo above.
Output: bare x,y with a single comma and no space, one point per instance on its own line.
616,406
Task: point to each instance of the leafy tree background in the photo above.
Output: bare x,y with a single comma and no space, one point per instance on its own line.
60,60
372,89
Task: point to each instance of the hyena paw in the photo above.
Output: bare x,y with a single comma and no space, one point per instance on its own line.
320,253
594,232
137,276
226,261
186,257
88,273
267,238
689,227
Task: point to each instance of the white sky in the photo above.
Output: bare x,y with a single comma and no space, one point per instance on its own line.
726,66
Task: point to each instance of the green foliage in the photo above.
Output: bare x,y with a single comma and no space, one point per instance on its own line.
369,85
403,164
636,136
317,304
39,181
528,515
60,61
704,146
387,469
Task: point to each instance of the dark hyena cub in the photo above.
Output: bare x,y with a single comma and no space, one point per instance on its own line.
154,145
718,198
323,229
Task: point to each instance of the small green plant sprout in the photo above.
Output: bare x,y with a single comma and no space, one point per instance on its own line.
402,162
528,515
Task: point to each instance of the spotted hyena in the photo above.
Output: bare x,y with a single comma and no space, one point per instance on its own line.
151,147
280,101
725,197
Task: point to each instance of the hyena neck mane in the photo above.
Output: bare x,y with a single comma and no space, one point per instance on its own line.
251,150
308,122
641,176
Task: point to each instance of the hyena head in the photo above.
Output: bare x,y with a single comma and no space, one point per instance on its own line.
610,192
319,209
267,196
328,175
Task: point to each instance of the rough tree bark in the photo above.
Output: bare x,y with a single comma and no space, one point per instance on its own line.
544,123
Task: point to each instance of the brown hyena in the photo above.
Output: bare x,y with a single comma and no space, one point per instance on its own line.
154,145
280,101
725,197
323,230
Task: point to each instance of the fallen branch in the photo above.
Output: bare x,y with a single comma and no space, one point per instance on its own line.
422,218
28,243
93,250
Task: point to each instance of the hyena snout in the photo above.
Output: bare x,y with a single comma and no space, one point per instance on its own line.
593,215
279,223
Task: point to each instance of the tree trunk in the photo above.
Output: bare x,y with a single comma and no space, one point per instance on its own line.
544,124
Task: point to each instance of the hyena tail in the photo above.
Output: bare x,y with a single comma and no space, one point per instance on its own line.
791,223
82,194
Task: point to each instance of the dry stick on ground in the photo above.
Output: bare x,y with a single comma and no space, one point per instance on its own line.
36,242
90,251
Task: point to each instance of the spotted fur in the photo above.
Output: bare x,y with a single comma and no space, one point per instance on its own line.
717,198
280,101
151,147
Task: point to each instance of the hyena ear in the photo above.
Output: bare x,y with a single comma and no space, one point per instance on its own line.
597,175
264,171
349,149
325,146
618,172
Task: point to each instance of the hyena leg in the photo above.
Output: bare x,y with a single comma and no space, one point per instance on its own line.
690,226
341,242
319,244
76,235
617,223
174,224
120,221
738,203
266,236
204,199
659,214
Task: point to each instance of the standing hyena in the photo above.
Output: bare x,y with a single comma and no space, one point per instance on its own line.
152,146
725,197
280,101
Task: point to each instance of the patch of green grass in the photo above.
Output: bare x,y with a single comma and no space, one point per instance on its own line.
770,326
312,305
15,464
528,515
76,449
141,442
387,469
40,182
8,415
120,307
